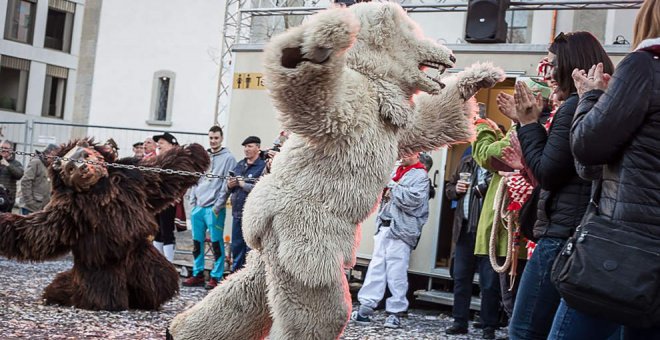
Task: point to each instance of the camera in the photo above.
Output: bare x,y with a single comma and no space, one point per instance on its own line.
264,153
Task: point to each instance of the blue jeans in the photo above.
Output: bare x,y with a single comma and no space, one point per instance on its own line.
203,218
537,299
239,248
572,324
465,264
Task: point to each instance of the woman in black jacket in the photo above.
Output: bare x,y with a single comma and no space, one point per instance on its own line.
564,195
618,125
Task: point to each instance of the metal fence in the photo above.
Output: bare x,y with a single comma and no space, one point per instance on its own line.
33,135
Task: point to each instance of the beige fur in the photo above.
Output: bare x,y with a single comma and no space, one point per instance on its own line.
350,106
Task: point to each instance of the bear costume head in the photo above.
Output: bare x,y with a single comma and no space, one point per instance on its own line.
82,166
390,46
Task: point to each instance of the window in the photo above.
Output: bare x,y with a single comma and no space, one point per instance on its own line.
14,73
518,21
55,91
163,91
161,102
59,25
20,20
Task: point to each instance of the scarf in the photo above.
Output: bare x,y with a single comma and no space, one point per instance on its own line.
401,170
650,45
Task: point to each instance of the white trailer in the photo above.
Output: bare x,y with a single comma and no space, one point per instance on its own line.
252,113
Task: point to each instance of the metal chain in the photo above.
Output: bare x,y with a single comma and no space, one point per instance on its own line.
133,167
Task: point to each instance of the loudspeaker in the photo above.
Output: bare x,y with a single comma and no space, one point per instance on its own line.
486,21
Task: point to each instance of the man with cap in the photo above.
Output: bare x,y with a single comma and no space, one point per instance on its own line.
164,240
35,184
138,150
244,177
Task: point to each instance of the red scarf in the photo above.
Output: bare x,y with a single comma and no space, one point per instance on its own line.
401,170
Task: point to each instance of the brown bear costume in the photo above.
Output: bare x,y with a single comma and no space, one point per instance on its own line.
105,217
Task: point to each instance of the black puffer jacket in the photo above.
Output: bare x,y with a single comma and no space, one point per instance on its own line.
564,196
622,131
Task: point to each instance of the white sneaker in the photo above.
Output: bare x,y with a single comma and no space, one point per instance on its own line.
392,321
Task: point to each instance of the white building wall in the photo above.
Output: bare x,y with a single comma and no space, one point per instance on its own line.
137,39
40,57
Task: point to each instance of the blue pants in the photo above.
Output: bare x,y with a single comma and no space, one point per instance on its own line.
239,248
465,265
203,218
572,324
537,299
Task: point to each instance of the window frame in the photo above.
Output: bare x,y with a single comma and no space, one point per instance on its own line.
69,16
24,77
10,13
61,92
155,96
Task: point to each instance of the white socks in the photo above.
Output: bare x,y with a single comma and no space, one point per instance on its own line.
168,251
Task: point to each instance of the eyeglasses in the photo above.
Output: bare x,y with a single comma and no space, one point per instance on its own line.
560,38
545,69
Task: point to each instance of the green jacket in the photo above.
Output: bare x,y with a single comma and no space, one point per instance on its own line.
489,144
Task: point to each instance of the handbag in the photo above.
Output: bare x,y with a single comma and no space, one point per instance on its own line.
610,270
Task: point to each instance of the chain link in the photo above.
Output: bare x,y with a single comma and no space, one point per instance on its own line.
133,167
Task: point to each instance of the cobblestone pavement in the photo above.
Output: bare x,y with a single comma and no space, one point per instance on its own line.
23,315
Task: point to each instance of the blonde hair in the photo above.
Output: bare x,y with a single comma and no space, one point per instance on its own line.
647,23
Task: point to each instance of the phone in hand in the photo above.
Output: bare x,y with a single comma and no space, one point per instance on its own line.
231,173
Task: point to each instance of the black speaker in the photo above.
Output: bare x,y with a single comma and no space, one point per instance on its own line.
486,21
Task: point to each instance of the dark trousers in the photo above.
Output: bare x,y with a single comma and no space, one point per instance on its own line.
537,299
239,248
465,265
509,295
166,225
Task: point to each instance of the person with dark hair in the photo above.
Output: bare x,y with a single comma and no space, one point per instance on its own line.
208,199
35,184
468,186
164,240
617,124
564,195
11,170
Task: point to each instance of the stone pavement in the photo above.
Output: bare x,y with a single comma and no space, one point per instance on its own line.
23,315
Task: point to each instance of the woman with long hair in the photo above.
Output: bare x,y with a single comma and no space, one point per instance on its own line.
564,195
617,125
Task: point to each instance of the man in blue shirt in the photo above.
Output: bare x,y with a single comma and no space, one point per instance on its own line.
244,177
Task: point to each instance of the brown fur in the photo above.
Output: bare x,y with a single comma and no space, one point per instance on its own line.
106,224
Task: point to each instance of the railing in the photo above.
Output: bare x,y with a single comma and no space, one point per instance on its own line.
30,136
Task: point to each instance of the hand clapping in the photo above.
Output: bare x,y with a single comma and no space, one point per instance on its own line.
595,79
528,106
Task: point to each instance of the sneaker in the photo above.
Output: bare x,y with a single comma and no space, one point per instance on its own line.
213,282
488,333
360,319
392,321
194,281
456,329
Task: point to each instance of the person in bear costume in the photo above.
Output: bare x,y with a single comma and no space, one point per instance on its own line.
104,217
343,83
